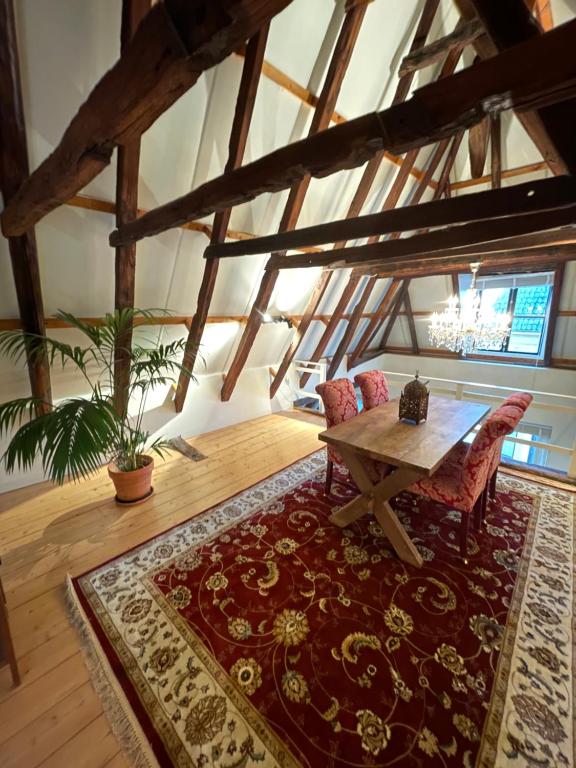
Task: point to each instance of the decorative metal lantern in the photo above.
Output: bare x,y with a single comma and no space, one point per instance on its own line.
414,401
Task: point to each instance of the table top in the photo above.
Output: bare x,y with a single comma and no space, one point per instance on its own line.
379,434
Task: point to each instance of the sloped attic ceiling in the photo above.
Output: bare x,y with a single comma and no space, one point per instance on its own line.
66,47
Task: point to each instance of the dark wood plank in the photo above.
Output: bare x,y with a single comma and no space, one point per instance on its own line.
543,225
463,35
127,173
496,151
478,147
175,43
14,169
436,111
238,137
530,197
502,261
320,121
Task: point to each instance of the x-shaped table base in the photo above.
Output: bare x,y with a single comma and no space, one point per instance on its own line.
375,497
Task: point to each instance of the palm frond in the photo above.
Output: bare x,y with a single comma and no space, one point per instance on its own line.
73,439
16,411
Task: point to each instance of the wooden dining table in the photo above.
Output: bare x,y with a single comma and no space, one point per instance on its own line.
412,450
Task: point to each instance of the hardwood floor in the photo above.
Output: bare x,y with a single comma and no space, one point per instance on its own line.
55,719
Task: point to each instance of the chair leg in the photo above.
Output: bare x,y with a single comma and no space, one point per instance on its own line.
485,496
478,511
492,484
464,534
328,484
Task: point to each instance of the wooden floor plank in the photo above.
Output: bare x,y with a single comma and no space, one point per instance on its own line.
55,719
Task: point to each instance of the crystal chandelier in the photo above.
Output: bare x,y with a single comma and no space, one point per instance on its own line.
467,327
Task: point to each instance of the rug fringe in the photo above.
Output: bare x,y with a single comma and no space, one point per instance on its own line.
122,720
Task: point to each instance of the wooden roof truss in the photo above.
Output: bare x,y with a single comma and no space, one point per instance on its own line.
165,48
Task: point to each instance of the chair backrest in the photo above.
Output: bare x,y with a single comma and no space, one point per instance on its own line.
374,388
519,399
479,458
339,398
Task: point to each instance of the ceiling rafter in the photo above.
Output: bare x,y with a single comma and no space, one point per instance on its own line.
168,53
550,227
127,174
237,145
14,168
360,196
551,127
320,121
434,112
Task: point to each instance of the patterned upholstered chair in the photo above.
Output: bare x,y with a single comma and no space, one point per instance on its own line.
374,388
461,484
340,404
520,400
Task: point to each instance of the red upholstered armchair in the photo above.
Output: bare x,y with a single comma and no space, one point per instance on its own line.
374,388
340,404
461,484
519,400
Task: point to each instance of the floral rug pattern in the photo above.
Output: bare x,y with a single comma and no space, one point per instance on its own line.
259,634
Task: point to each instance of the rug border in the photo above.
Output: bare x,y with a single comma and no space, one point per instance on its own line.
118,710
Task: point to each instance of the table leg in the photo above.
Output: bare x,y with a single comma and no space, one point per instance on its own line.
376,495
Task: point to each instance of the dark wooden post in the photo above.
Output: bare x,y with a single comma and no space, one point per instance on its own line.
133,11
14,169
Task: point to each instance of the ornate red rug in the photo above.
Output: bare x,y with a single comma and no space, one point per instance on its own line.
258,634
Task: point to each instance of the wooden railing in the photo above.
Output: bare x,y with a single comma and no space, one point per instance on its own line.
475,391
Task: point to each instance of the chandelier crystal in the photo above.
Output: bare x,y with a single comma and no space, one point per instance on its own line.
467,326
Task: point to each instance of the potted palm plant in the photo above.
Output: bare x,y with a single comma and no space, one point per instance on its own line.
77,435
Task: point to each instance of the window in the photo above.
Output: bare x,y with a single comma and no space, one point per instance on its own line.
526,298
528,454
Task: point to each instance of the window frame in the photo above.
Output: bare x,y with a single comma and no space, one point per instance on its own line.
543,356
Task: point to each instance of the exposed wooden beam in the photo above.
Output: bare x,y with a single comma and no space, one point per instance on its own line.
348,336
510,173
406,168
400,96
463,35
496,151
411,323
237,145
336,316
545,224
376,320
127,173
521,260
395,312
90,203
552,127
307,97
14,169
174,44
435,112
478,146
320,121
543,10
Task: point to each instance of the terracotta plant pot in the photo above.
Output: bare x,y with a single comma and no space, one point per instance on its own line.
134,486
